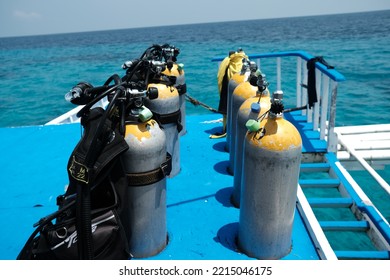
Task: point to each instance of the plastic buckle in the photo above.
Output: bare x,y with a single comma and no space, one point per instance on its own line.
166,166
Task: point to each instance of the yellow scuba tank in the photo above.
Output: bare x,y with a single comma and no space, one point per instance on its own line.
177,71
272,156
242,92
236,79
146,164
253,108
166,109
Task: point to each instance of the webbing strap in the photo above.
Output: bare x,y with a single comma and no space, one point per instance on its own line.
182,89
150,177
174,117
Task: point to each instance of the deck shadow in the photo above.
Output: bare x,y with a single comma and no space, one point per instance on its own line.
223,196
222,167
214,130
227,236
220,146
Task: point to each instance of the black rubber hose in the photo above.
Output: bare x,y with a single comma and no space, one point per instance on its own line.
96,99
84,222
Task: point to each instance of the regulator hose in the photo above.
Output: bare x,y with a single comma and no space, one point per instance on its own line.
108,90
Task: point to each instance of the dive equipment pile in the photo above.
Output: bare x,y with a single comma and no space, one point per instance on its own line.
117,172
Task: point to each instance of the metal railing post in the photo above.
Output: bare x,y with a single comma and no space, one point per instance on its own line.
332,137
278,73
324,106
298,82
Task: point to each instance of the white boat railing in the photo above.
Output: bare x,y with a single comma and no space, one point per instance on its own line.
323,114
71,116
323,247
365,143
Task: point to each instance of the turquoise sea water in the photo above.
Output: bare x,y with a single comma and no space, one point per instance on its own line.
37,71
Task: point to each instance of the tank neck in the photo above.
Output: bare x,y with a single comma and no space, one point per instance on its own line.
261,93
141,114
273,115
277,107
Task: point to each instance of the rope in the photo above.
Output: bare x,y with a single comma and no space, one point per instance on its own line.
197,102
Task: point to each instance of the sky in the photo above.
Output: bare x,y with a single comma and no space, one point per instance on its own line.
35,17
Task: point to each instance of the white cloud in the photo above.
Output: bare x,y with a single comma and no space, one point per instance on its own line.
26,15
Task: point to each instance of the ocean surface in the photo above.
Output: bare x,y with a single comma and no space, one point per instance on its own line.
37,71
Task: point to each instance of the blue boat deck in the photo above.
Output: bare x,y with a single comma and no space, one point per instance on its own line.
202,223
311,142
